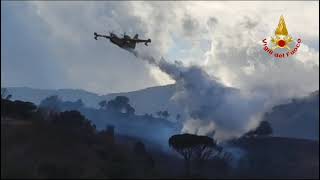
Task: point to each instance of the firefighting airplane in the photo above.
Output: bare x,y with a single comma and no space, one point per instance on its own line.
125,42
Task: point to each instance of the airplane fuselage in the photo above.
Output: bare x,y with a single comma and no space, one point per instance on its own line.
122,42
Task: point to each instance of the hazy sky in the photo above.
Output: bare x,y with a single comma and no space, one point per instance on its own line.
51,45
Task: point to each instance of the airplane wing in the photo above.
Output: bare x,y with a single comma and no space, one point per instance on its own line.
141,40
96,35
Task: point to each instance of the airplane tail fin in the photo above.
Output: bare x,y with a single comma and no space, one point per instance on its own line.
95,35
148,41
136,36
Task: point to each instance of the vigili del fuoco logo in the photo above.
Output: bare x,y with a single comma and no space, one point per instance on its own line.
281,45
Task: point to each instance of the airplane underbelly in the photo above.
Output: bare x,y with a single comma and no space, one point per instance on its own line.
129,45
133,45
124,44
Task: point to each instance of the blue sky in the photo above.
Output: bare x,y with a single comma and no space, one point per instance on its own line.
26,58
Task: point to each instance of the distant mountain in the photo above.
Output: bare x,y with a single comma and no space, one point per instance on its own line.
37,95
298,118
149,100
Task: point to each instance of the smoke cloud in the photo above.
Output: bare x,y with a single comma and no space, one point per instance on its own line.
208,104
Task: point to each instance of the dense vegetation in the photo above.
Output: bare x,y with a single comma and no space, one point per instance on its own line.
64,145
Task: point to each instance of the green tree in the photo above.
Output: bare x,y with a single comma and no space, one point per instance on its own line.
193,147
52,103
120,104
163,114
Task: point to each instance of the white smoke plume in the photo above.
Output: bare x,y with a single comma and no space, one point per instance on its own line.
208,104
